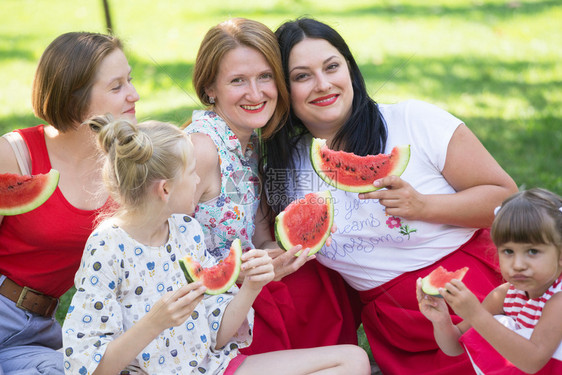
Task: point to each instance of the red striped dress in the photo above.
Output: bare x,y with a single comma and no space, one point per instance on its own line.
527,311
521,315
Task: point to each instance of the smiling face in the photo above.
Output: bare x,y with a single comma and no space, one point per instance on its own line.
530,267
321,87
113,91
244,91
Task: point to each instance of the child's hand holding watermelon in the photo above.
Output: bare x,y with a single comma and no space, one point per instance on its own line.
257,268
435,310
463,302
432,307
433,291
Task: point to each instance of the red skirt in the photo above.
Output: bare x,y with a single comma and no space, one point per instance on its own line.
488,361
309,308
401,338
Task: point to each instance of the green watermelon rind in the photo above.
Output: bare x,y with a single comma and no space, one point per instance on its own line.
187,265
316,161
433,290
281,234
50,185
184,267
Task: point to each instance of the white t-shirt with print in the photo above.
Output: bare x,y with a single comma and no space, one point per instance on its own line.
369,247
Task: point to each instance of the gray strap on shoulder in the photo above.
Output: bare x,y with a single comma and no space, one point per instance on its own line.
20,151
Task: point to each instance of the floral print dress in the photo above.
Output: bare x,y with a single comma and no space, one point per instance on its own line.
230,215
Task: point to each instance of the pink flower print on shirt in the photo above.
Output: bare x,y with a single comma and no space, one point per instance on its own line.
404,229
228,215
393,222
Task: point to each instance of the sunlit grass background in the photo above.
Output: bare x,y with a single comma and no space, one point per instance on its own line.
493,63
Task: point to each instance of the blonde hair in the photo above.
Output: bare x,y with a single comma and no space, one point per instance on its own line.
532,216
137,155
227,36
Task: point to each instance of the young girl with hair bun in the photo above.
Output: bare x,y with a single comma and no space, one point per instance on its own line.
133,310
517,329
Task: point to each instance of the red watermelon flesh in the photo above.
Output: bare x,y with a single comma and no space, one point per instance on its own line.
439,277
307,221
350,172
20,194
218,278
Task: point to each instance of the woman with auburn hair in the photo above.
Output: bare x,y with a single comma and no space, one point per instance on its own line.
239,77
80,74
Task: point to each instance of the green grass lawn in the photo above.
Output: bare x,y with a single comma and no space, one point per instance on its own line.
493,63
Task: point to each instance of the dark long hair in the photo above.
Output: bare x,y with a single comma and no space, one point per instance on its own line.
363,133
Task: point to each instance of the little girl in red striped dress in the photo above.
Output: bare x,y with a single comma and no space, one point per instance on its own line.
517,329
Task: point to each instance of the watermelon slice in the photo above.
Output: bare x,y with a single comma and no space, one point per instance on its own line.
20,194
350,172
307,222
218,278
438,278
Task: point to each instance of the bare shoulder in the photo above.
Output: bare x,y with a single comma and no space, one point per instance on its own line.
478,165
207,167
551,312
493,302
205,150
554,303
548,332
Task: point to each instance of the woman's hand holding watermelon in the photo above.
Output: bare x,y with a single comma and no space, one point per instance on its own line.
399,198
287,262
